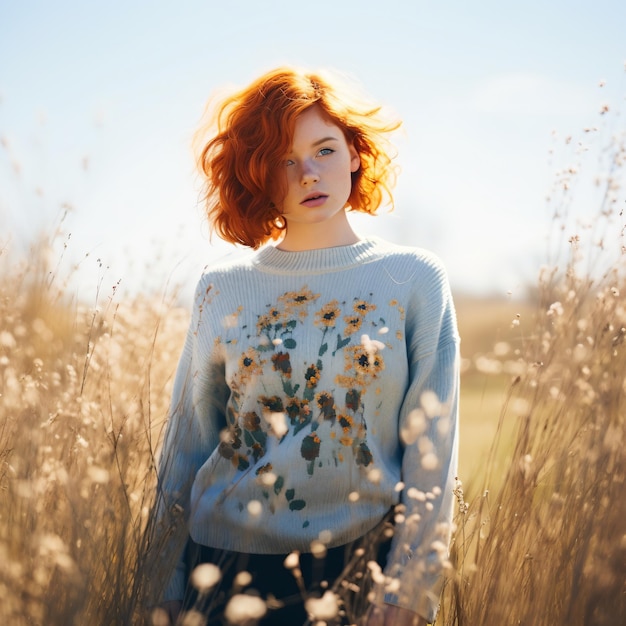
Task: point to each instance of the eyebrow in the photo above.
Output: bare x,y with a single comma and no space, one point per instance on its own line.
319,142
323,140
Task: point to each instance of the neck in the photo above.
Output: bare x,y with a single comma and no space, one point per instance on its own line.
299,236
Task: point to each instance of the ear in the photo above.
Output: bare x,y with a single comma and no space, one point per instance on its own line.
355,159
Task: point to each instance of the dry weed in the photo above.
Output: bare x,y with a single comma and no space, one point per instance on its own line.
79,388
545,543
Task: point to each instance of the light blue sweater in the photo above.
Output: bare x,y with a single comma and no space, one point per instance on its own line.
315,390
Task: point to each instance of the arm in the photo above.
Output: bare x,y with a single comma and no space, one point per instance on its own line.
194,423
428,432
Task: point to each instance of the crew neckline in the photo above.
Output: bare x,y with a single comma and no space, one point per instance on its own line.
319,260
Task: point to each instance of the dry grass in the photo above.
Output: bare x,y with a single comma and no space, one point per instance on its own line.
540,538
83,395
544,541
547,545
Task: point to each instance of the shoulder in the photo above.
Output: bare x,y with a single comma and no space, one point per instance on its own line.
412,264
221,277
236,261
226,268
430,310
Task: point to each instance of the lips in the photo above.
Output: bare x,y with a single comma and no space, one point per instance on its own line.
314,200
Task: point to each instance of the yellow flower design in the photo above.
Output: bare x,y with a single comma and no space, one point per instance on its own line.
328,314
347,382
365,363
346,422
353,324
362,307
297,301
297,410
249,365
326,403
312,375
273,316
273,404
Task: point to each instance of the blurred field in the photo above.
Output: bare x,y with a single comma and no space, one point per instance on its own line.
492,338
539,538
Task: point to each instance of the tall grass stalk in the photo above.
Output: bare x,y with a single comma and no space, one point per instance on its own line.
83,396
545,543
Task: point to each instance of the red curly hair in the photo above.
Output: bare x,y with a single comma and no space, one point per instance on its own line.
252,131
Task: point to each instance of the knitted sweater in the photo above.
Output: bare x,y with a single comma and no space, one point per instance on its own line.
315,390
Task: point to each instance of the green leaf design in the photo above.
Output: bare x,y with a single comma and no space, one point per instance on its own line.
310,447
278,485
363,455
300,425
341,343
323,349
260,436
290,493
353,399
289,343
289,389
297,505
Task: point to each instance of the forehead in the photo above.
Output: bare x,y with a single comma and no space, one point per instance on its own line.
313,124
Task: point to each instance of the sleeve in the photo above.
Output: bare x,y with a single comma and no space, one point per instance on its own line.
195,419
428,432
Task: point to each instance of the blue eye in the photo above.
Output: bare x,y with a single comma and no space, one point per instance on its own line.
289,162
325,151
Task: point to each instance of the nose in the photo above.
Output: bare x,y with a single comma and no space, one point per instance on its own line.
309,174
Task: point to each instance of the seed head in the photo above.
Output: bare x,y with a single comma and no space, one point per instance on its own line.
243,608
205,576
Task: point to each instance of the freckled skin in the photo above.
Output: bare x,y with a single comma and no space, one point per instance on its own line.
320,163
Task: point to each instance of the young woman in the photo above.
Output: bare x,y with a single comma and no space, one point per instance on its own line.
318,386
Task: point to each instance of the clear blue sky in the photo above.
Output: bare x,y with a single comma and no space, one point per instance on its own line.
98,102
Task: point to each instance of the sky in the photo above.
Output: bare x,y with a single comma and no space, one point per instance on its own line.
99,102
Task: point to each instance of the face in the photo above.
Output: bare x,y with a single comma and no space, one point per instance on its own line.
318,170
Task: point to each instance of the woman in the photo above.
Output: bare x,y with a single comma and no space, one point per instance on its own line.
318,386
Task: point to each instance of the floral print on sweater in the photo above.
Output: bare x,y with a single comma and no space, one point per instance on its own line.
316,399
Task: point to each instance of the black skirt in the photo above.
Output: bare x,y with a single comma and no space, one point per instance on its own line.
345,570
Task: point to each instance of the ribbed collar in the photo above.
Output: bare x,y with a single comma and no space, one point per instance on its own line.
321,260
